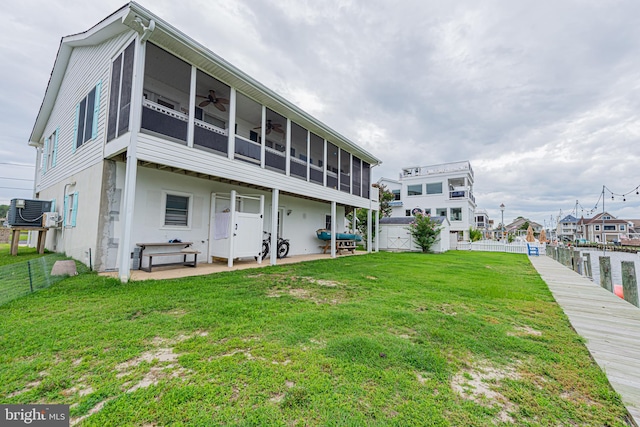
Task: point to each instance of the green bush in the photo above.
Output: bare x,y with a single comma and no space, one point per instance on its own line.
424,231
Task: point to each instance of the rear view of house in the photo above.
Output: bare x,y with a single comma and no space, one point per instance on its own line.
144,135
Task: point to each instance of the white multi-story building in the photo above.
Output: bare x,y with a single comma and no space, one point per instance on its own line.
145,135
438,190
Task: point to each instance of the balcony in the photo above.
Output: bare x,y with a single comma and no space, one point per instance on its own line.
461,194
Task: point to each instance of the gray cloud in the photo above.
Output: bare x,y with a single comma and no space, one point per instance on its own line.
542,97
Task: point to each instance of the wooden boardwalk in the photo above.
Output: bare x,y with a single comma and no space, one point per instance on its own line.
609,325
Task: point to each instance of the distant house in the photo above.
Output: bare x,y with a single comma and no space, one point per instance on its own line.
567,227
519,227
395,236
444,190
145,135
604,227
483,223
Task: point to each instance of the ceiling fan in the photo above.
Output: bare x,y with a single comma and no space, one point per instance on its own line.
213,99
276,127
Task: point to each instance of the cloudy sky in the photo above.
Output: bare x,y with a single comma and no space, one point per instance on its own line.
542,97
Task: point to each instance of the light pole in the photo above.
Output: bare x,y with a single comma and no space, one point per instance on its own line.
502,220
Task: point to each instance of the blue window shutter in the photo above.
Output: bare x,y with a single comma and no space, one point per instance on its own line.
53,205
74,214
65,210
54,154
75,129
44,156
96,111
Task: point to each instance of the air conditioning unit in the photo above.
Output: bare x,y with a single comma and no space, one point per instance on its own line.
27,213
51,220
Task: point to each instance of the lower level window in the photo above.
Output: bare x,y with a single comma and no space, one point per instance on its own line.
176,210
456,214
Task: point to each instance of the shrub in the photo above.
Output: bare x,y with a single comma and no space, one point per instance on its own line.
425,231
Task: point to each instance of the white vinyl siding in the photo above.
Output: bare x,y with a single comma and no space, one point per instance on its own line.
161,151
88,65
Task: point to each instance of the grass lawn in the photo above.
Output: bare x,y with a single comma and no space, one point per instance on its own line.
24,254
460,339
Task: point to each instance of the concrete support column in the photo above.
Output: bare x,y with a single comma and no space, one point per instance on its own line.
131,174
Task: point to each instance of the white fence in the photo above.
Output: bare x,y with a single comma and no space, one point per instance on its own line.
494,246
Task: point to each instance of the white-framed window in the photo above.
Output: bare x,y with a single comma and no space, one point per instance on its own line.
434,188
327,222
597,228
414,190
70,209
456,214
49,151
441,212
87,112
177,209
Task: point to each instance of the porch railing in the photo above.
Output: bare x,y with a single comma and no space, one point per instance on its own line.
165,121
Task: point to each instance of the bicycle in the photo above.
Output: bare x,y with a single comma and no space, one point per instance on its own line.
282,245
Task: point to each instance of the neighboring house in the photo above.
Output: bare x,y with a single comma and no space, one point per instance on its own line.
604,227
519,227
145,135
395,235
483,223
567,228
438,190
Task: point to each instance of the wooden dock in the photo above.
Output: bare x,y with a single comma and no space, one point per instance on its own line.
609,325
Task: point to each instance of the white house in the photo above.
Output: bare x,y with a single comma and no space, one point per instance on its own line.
438,190
395,236
145,135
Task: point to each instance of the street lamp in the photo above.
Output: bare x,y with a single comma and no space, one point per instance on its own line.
502,220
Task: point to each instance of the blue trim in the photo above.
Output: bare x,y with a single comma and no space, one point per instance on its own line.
75,129
54,154
74,213
65,210
53,205
96,111
44,156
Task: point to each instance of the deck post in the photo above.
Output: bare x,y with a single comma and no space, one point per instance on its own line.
587,264
605,273
334,229
577,261
369,233
273,250
629,282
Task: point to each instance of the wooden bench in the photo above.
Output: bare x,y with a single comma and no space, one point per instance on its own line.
341,245
186,250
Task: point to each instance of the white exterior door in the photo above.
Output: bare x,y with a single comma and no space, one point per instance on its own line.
247,229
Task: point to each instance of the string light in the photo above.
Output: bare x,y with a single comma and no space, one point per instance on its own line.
589,212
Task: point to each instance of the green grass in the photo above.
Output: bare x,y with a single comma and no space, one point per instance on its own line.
24,254
377,339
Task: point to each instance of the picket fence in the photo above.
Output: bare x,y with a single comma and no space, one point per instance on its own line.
494,246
